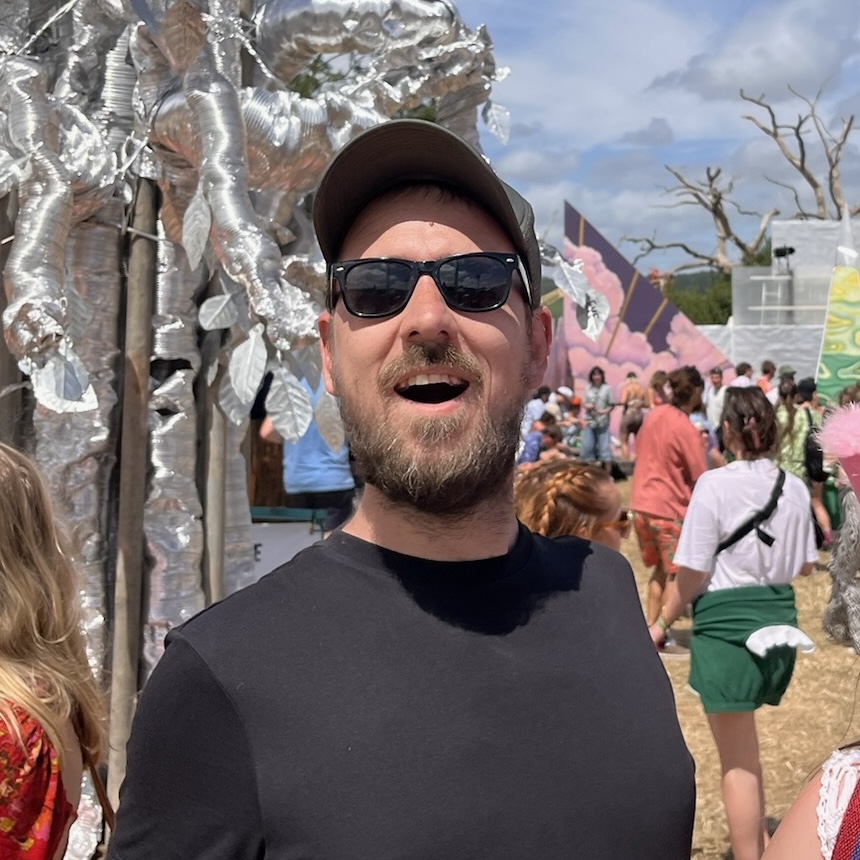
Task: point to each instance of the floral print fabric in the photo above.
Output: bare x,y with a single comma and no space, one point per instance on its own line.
34,809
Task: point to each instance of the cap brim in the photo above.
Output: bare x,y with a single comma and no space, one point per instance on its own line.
402,151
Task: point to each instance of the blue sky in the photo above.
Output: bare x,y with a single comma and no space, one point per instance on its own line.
604,93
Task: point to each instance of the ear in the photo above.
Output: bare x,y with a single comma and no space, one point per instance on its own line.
541,338
325,324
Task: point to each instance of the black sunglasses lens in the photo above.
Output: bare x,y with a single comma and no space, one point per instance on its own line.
377,287
474,282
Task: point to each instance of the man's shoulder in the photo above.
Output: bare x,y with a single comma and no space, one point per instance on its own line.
272,599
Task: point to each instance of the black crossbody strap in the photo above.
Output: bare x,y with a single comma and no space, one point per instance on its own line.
755,521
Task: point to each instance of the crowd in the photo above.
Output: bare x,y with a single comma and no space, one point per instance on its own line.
431,679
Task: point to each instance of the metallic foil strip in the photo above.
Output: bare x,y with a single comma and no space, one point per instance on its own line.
249,256
35,318
173,529
86,831
172,523
115,115
97,25
290,34
76,451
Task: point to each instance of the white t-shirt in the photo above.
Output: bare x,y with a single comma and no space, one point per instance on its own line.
725,498
714,400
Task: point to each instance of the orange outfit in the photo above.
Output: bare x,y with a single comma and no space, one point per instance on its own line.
669,460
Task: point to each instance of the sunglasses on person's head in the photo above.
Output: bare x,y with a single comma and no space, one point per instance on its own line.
622,525
382,286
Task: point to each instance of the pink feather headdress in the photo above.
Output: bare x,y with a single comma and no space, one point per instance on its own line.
840,437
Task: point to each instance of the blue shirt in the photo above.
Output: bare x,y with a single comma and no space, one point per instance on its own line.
310,466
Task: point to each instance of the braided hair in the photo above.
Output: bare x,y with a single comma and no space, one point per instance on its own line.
564,497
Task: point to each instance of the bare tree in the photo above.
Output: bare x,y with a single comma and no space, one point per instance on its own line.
713,193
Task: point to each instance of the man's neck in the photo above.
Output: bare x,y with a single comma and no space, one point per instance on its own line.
486,531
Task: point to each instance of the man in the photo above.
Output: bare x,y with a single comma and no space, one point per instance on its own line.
743,375
632,400
713,400
597,404
432,680
768,371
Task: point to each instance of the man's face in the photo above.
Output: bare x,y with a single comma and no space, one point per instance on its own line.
716,379
432,398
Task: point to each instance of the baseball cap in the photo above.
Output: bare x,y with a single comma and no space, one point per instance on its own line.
786,370
565,390
410,150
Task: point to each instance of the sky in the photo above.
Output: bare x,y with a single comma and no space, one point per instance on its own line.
603,94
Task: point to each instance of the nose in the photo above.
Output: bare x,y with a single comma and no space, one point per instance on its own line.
427,317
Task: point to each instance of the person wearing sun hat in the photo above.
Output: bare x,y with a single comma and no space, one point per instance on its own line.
432,679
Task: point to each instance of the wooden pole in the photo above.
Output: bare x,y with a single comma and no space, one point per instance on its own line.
128,592
11,404
215,501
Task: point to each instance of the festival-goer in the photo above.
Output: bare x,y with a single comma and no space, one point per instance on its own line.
795,416
743,375
785,373
51,708
746,536
632,399
713,399
315,476
657,393
768,371
597,405
534,409
563,497
415,685
670,460
573,424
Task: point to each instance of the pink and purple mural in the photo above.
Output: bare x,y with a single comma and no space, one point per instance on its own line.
644,333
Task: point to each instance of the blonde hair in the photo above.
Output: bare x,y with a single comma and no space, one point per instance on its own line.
43,661
564,497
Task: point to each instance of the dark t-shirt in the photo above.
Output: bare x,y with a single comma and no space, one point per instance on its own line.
358,703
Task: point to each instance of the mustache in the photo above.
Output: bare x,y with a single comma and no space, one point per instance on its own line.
417,356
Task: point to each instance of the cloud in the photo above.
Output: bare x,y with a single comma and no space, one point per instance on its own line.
797,43
658,132
532,165
590,129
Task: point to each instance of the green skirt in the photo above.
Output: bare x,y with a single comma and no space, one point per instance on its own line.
727,677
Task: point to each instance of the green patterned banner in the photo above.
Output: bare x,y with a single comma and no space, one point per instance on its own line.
839,364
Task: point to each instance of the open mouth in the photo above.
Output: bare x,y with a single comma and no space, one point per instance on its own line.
431,388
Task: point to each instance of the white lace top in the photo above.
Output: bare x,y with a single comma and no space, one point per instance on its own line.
838,781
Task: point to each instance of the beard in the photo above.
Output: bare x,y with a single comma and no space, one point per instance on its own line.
416,464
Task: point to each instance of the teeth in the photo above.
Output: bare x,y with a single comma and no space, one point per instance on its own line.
429,379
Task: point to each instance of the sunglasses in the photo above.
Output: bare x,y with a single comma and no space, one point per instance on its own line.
622,526
382,286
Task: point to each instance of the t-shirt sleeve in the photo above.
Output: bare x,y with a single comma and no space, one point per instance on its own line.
190,791
697,545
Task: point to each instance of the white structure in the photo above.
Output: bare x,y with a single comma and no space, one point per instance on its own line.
779,312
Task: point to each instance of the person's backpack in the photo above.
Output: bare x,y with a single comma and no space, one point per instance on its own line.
813,456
